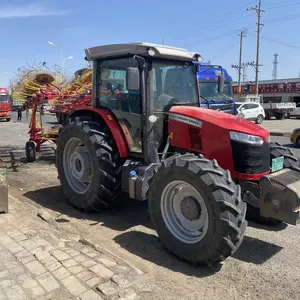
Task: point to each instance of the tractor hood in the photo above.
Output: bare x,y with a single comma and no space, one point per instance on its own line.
221,119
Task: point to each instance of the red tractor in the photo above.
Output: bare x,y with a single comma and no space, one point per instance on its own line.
197,167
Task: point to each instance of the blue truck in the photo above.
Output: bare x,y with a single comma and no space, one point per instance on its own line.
208,85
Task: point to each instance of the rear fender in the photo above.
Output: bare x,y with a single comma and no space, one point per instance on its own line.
115,128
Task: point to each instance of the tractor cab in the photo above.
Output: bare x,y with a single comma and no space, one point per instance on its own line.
138,87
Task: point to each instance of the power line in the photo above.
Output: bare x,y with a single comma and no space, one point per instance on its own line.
224,22
285,18
220,25
224,50
201,42
283,5
276,41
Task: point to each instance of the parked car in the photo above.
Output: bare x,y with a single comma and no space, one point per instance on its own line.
294,113
251,111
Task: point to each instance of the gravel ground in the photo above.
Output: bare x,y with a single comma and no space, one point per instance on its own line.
266,266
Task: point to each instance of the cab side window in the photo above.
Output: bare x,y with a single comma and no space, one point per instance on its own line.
126,105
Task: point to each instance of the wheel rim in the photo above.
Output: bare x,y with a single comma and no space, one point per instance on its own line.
184,212
77,165
259,119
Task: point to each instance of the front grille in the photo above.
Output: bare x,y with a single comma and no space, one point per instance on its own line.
249,159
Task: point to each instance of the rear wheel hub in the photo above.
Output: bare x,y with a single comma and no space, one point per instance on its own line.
77,165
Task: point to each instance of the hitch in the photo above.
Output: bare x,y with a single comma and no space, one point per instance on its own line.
280,196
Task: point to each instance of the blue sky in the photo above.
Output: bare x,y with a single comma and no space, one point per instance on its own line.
209,27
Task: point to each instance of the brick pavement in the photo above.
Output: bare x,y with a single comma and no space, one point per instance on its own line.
37,261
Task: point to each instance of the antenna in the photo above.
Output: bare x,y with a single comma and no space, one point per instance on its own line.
275,66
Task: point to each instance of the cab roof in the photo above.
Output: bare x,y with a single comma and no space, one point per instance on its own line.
159,51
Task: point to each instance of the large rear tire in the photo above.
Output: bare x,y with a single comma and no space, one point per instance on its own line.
197,209
88,164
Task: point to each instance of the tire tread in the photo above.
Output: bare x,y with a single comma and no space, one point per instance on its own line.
229,202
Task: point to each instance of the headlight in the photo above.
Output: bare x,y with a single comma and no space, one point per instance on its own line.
246,138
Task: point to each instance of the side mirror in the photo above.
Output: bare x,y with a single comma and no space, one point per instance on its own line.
133,79
242,108
220,83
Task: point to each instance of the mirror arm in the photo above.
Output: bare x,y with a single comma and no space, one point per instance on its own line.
141,62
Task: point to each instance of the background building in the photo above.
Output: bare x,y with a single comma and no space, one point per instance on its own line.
276,90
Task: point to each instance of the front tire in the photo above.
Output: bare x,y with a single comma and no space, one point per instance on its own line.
184,188
88,164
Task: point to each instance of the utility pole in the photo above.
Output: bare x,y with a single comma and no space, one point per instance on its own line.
275,64
258,11
163,41
240,67
242,34
244,75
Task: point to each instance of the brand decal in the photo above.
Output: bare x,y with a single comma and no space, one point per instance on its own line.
186,120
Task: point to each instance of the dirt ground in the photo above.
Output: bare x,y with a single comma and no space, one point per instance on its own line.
266,266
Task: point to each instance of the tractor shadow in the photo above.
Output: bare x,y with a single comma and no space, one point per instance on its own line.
47,154
14,157
125,215
148,247
256,251
128,214
273,227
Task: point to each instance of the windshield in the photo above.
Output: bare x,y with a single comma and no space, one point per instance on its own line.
209,90
4,98
174,82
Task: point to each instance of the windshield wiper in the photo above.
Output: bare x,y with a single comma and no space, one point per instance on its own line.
208,101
